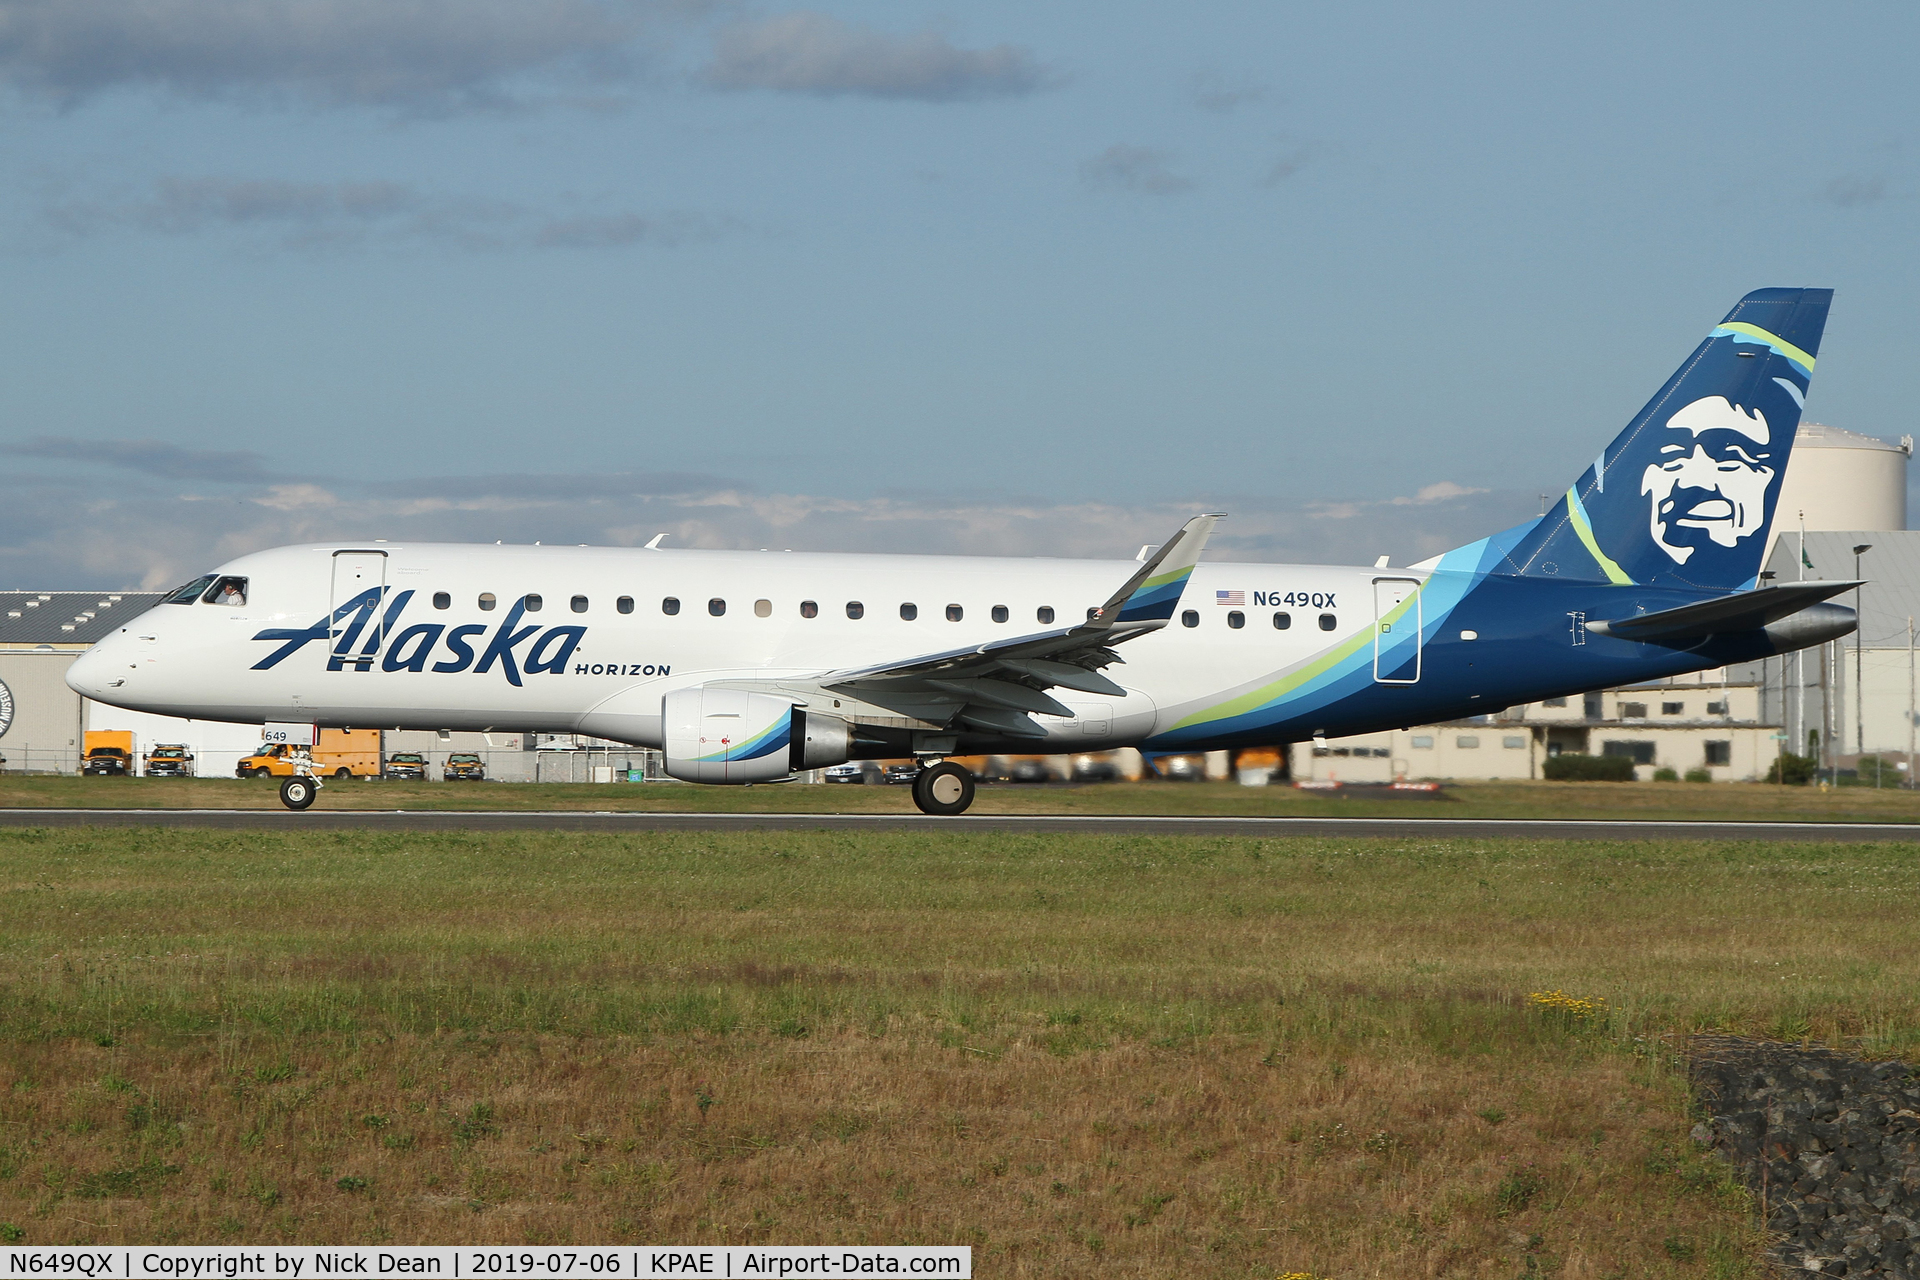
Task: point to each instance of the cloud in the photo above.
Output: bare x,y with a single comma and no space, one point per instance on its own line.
1289,160
539,488
422,56
1210,91
148,457
320,215
1128,168
58,531
813,53
1849,192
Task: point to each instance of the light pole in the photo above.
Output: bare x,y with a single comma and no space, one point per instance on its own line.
1859,667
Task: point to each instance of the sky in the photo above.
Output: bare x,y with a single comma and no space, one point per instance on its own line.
1003,279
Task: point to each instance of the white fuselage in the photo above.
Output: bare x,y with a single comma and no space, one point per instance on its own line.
609,651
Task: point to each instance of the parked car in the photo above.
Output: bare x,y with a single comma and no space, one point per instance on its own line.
107,762
1095,768
1029,770
407,766
1182,768
848,772
902,773
464,766
169,760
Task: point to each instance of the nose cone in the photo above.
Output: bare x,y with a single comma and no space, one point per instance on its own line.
94,673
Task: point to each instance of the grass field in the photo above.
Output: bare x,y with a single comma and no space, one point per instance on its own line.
1134,1056
1733,802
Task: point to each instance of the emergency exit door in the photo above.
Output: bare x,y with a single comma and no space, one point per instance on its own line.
354,574
1396,630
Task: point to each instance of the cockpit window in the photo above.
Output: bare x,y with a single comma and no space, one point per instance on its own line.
189,593
227,591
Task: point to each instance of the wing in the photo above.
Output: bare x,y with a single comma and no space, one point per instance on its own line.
991,688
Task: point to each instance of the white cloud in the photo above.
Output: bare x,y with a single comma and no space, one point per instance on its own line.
426,56
340,215
813,53
1128,168
62,532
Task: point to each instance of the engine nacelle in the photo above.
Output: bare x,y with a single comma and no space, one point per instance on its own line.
727,735
735,736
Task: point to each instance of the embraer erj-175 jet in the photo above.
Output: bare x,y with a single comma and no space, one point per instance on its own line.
750,666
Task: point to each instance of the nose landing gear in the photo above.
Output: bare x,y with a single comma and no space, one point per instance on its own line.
944,790
303,788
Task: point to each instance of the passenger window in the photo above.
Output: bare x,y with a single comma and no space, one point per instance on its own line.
189,593
716,606
487,601
855,609
579,604
1190,618
999,613
763,608
670,606
1328,622
955,613
1236,619
908,612
441,600
227,591
1044,614
1281,621
624,604
809,609
533,603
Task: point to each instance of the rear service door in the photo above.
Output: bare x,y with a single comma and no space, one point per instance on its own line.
1396,630
354,574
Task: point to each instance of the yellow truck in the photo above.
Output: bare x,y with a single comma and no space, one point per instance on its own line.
340,753
107,753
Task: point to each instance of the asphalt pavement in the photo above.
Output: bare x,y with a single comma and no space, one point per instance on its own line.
1026,824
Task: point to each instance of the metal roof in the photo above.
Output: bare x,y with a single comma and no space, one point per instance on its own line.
68,617
1891,569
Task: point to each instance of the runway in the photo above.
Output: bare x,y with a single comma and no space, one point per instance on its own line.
1023,824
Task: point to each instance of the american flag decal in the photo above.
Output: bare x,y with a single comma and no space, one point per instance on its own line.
1230,597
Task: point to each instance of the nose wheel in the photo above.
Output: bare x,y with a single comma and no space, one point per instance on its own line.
298,793
943,790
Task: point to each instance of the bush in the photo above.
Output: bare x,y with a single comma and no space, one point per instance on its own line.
1699,775
1571,767
1791,770
1664,774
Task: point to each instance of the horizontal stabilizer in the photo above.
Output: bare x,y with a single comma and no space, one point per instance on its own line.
1747,611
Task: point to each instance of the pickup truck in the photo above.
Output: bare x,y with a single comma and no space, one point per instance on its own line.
107,762
169,760
464,766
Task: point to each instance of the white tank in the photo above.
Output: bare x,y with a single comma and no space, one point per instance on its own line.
1843,480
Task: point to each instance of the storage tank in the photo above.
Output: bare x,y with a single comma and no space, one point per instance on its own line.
1843,480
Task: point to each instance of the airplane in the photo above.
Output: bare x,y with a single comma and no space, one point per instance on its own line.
751,667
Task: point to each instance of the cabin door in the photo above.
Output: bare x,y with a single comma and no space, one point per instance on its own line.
358,629
1396,630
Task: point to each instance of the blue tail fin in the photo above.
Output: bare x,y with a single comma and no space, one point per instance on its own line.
1685,495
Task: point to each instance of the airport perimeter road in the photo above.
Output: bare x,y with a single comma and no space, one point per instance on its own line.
588,820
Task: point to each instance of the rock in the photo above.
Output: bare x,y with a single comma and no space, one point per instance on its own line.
1831,1143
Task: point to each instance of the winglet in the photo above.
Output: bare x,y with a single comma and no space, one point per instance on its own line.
1153,592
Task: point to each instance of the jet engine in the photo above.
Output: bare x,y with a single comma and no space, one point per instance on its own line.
724,736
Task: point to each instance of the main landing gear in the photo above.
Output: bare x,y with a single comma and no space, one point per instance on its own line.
943,790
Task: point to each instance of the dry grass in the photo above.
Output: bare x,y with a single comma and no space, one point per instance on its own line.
1135,1056
1728,802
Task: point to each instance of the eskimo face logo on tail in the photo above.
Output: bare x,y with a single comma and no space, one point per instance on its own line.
1709,480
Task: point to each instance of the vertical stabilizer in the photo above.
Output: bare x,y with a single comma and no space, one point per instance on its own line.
1685,495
